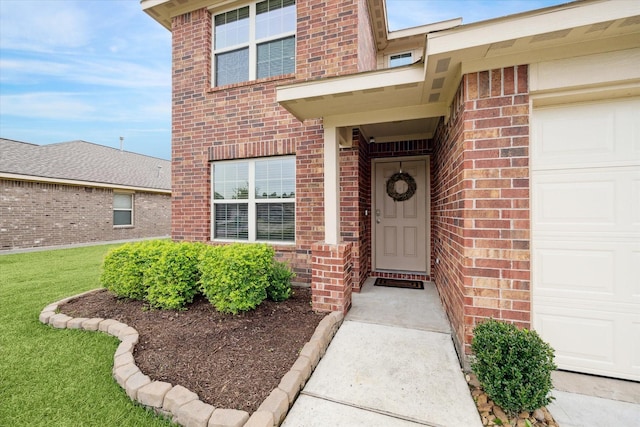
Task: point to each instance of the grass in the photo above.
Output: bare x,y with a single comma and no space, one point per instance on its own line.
52,377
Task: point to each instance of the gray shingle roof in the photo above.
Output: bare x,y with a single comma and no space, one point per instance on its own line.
85,161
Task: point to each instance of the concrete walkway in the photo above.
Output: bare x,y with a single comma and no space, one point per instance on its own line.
392,363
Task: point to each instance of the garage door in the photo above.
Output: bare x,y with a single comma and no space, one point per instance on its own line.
585,170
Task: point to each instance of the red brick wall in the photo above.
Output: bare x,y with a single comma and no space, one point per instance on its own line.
367,50
34,214
355,200
332,277
327,38
481,202
244,120
191,77
447,210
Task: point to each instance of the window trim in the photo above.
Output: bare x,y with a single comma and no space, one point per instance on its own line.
114,209
252,44
391,55
252,202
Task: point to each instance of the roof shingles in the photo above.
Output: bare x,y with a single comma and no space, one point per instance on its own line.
85,161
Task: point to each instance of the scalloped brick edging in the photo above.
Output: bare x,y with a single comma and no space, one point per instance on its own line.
178,403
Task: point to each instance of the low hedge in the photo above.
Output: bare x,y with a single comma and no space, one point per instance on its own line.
168,275
173,280
238,277
124,267
513,366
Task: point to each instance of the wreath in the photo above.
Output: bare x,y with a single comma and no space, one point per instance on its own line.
407,179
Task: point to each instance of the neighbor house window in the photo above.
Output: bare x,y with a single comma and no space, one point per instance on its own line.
400,59
122,209
254,42
254,200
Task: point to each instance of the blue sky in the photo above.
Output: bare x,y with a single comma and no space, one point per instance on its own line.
97,70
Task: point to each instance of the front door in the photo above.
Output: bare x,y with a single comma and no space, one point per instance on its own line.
400,226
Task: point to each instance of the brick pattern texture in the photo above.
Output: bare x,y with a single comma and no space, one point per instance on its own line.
34,214
480,202
244,120
332,279
355,200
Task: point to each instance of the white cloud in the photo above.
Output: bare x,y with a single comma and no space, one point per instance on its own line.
45,105
98,70
42,25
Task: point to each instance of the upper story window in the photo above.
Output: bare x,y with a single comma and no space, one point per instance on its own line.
254,42
399,59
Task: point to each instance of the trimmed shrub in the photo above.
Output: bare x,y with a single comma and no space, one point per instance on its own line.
124,267
235,277
513,366
172,280
279,288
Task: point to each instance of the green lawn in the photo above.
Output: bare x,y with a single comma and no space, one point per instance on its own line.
52,377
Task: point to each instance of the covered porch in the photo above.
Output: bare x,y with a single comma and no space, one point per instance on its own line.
461,118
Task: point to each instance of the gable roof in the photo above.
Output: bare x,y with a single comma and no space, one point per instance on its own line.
85,163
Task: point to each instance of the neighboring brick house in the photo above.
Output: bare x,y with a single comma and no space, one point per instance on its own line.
520,133
79,192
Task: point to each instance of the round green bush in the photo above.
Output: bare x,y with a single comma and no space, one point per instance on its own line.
173,278
235,277
124,267
513,366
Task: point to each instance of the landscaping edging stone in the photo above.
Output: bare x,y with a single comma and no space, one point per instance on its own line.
181,405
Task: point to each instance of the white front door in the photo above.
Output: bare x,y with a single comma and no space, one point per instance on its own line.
400,227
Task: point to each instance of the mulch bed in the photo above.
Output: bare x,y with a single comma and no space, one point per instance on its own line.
235,361
230,361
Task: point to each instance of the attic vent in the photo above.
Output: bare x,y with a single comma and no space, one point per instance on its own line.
599,27
503,45
633,20
551,36
443,65
437,83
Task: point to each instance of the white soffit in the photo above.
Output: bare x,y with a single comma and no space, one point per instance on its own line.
574,29
163,10
369,91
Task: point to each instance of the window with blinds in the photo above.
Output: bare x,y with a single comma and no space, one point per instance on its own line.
254,200
254,41
122,209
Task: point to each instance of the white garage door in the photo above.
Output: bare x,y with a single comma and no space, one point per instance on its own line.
585,169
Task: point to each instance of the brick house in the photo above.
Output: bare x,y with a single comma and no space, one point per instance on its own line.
78,192
294,122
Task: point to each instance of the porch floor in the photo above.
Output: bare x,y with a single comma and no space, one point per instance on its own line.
405,308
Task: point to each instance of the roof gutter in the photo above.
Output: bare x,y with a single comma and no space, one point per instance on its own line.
31,178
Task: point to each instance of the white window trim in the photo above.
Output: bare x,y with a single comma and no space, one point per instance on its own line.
113,210
410,52
252,43
252,201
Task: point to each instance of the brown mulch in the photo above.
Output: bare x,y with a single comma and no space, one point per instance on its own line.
230,361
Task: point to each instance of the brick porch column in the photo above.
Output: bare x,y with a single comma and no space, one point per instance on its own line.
331,279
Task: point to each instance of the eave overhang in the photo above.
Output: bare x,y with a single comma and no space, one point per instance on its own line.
80,183
426,89
164,10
